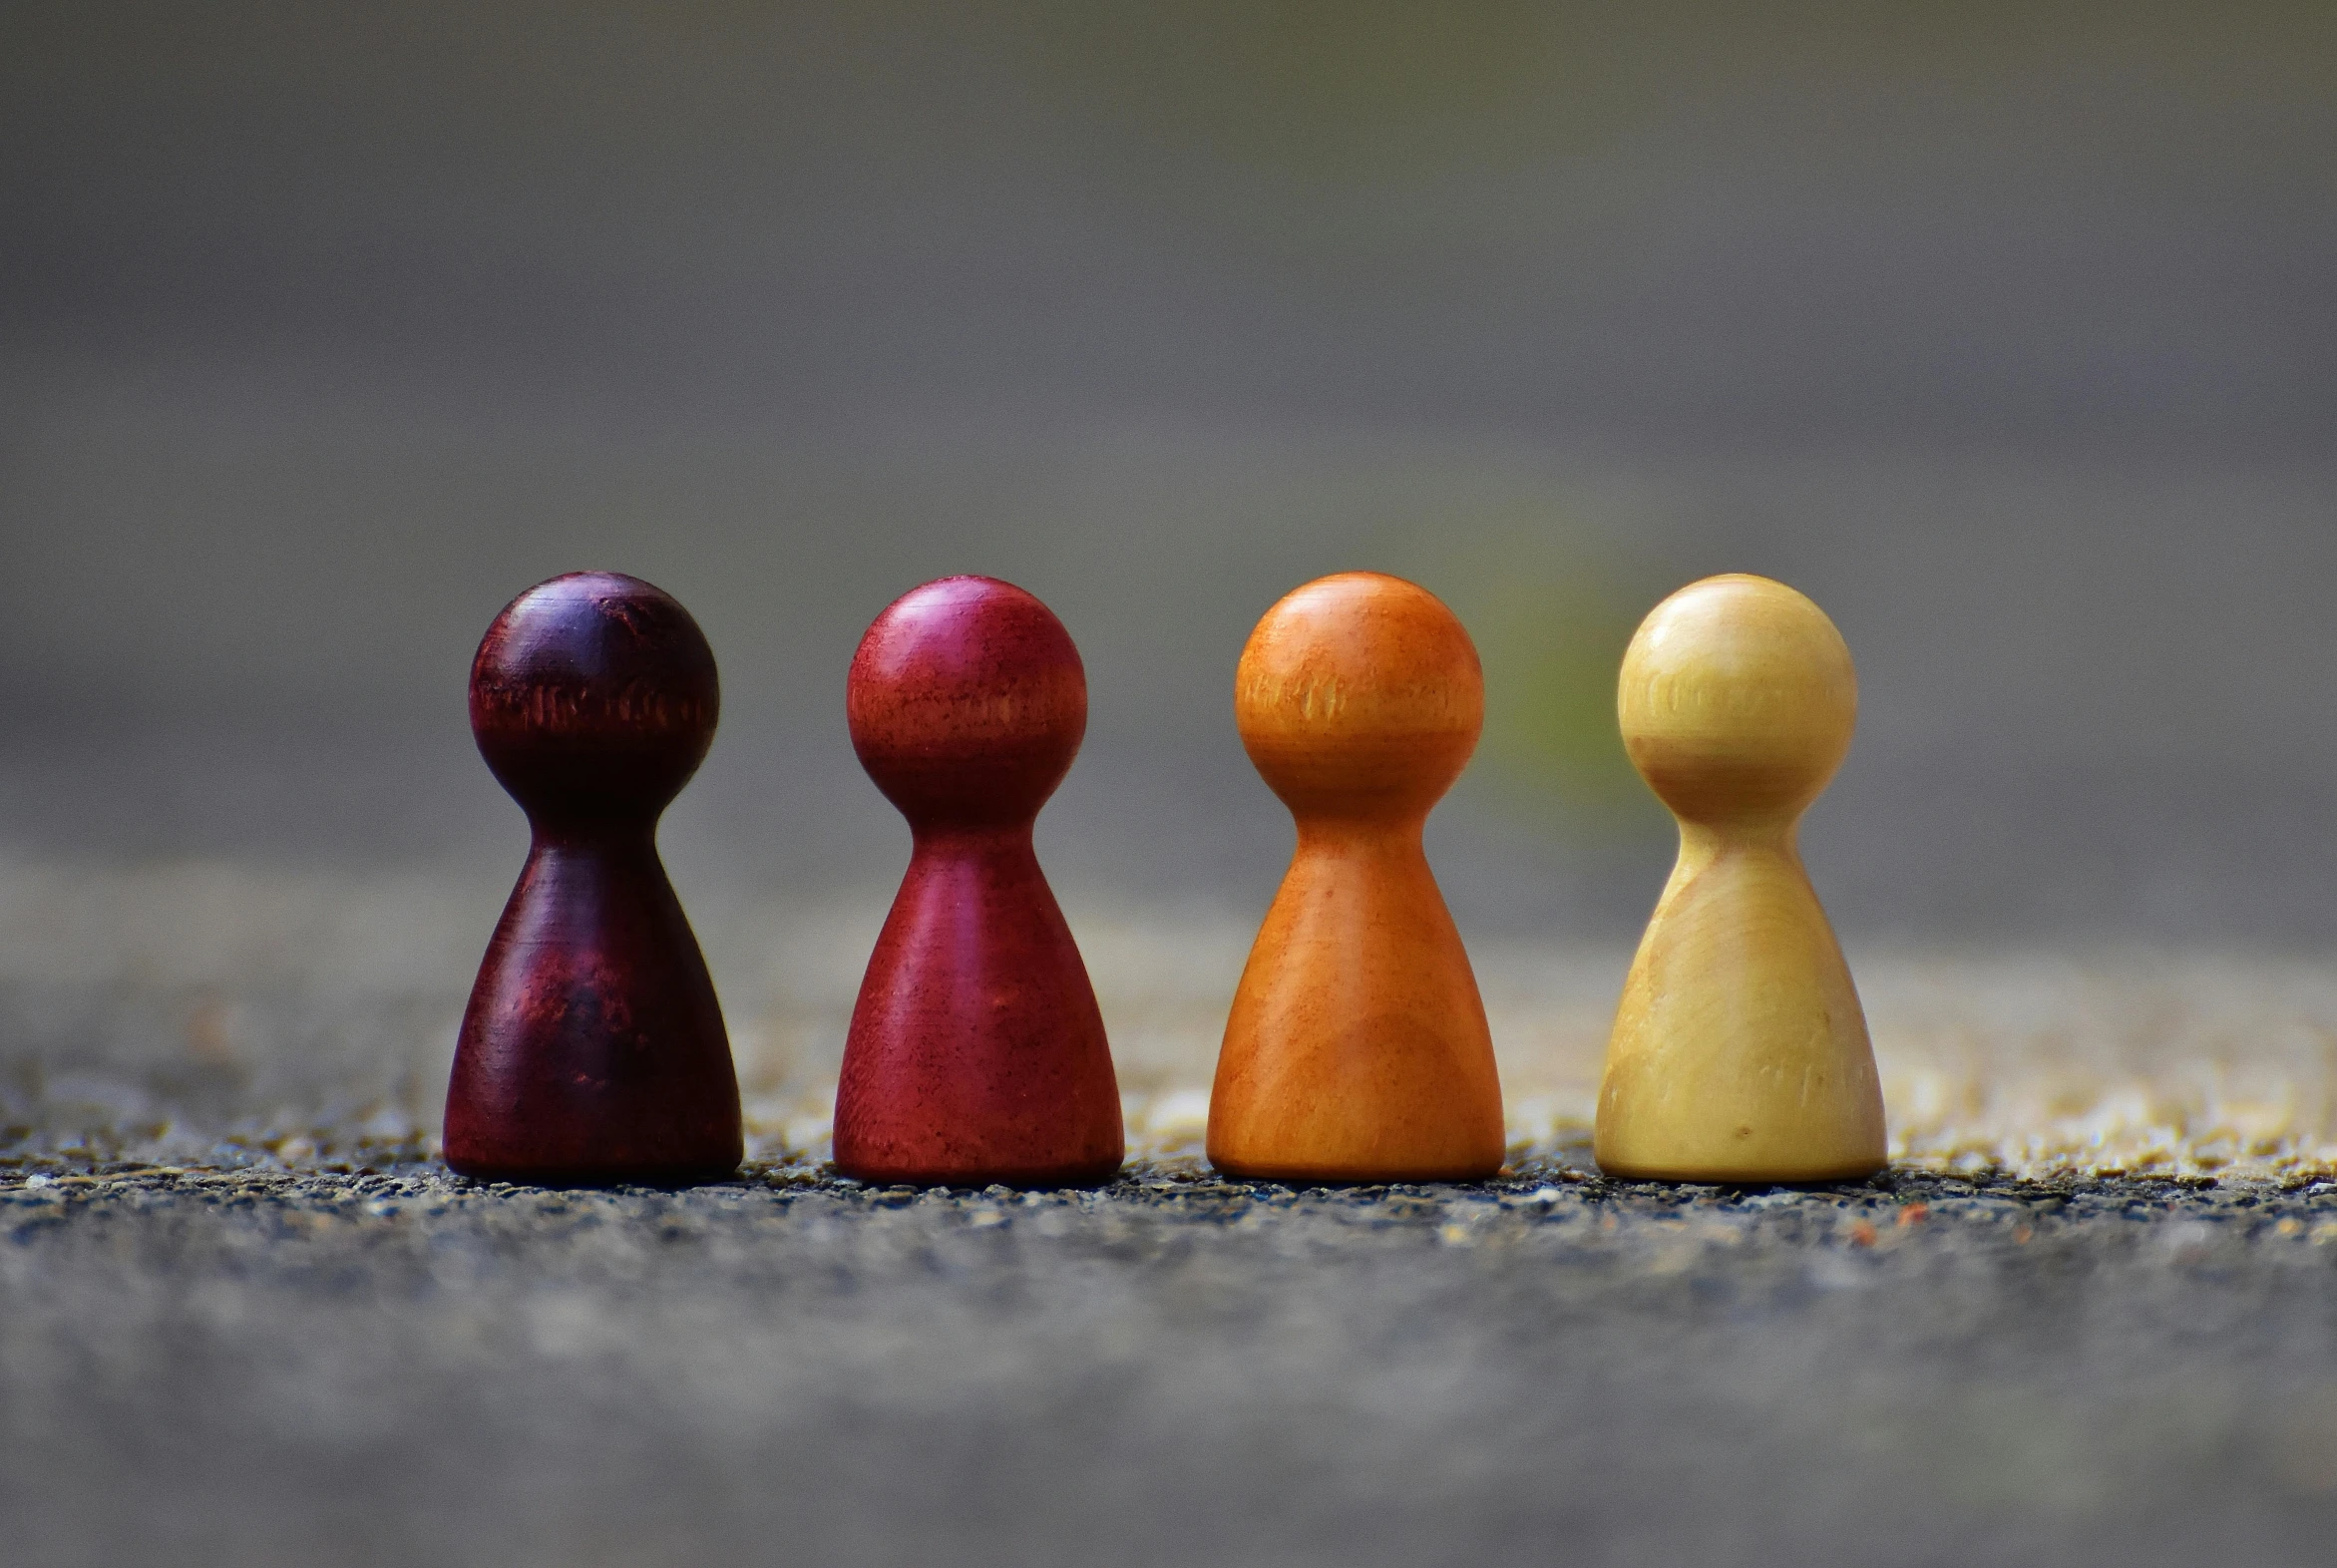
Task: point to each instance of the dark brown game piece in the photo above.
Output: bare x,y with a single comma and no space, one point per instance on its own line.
976,1052
593,1050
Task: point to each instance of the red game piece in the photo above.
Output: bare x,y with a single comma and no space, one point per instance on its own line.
592,1049
976,1052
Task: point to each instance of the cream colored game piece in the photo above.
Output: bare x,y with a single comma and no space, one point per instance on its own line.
1739,1051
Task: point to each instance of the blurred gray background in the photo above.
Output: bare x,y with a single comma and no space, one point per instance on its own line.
2009,333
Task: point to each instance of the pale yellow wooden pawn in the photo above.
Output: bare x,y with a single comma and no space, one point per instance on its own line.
1739,1051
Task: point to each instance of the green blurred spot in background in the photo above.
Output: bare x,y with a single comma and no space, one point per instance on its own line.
1551,620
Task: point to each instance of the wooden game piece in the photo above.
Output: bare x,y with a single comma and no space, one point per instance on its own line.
1356,1049
593,1050
976,1052
1739,1051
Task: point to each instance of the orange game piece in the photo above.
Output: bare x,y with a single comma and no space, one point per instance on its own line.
1358,1050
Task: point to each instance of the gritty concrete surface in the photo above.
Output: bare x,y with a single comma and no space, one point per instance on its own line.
394,1366
246,1316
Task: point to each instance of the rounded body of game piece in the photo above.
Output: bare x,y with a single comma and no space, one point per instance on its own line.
1739,1052
976,1052
593,1050
1356,1048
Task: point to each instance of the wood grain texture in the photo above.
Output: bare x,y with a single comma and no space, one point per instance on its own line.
1356,1049
1739,1051
976,1051
592,1049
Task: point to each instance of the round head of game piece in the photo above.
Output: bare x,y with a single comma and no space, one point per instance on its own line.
594,698
1359,695
1737,700
966,701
